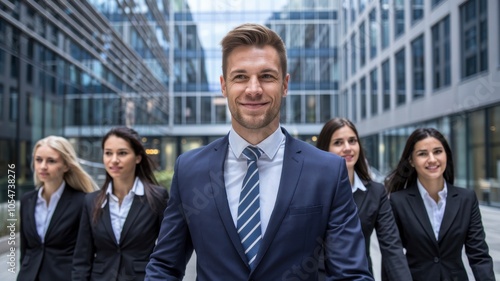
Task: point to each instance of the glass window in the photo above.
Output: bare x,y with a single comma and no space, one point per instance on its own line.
346,62
417,10
354,103
362,96
325,108
206,110
476,149
384,31
436,2
441,62
399,59
296,110
310,108
2,62
386,85
345,6
178,110
1,102
374,91
353,53
220,112
418,67
373,33
474,40
399,17
190,110
13,104
342,104
362,44
362,5
493,168
353,11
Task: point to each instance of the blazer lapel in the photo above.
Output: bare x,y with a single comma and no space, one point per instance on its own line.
292,168
106,221
216,174
418,208
63,204
134,211
30,216
359,197
450,212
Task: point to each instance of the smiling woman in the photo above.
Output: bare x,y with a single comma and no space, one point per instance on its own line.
120,222
434,217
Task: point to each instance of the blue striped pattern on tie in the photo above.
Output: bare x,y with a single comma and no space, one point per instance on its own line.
249,207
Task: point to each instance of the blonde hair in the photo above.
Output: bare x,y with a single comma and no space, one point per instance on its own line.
76,176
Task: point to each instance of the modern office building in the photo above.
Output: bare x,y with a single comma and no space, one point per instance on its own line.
65,71
433,63
77,68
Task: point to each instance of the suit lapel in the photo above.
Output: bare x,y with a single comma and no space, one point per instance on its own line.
359,197
418,208
63,204
106,221
451,210
292,168
216,174
30,216
134,211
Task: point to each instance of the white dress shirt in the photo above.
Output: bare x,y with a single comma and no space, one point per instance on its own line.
44,211
435,211
119,212
269,165
358,184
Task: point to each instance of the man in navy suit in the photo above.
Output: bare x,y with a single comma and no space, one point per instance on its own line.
302,194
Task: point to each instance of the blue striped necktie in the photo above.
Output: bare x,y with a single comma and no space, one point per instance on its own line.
249,207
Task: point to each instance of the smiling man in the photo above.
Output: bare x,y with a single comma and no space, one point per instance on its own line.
258,204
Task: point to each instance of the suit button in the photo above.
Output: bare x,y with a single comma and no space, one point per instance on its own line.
118,251
436,259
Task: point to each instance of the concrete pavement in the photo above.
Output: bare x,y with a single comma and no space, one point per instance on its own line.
491,222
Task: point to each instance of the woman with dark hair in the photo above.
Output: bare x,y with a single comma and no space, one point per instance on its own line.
435,218
120,223
339,136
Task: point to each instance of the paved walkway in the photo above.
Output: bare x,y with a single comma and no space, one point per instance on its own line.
491,223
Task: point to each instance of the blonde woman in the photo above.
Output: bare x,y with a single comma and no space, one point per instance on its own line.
50,214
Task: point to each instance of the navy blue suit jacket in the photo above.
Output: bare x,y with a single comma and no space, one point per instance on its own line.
314,206
441,259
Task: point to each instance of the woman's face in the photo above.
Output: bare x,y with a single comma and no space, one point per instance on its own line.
119,158
429,159
49,165
345,144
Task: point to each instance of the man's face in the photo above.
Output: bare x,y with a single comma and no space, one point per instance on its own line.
254,87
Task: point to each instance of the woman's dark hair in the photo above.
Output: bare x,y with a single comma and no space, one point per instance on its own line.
405,174
325,137
143,170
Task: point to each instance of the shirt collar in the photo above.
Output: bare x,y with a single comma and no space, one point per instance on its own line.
137,189
423,192
268,146
56,194
358,184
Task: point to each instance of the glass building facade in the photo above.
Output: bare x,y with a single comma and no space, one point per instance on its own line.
438,66
78,68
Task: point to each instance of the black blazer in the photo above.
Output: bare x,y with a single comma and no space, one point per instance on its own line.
98,256
374,211
441,259
50,260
